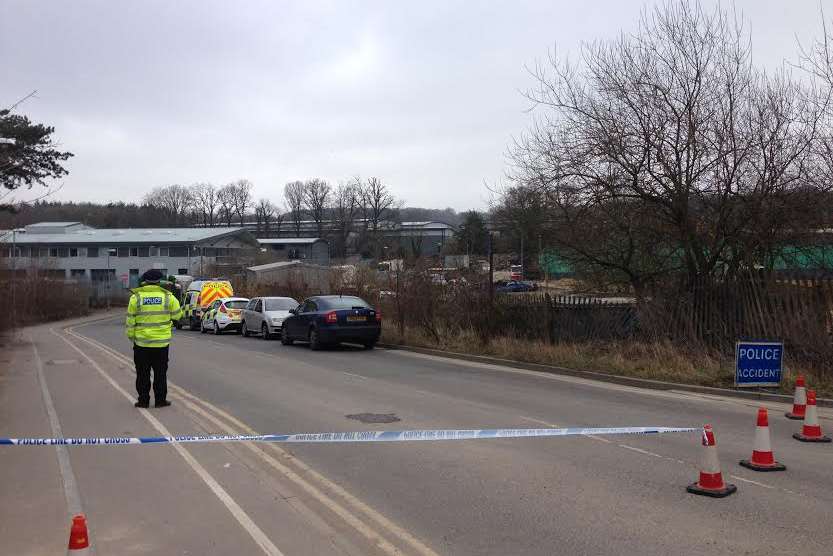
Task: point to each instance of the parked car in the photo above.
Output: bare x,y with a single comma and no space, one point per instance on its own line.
223,314
330,319
265,315
515,286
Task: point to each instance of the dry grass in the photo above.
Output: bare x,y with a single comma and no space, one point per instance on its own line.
658,361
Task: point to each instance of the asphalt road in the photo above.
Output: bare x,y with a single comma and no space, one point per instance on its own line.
576,495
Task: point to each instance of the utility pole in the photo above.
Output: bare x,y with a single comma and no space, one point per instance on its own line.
523,267
491,270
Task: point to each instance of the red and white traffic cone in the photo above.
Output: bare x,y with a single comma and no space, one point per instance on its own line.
711,479
811,431
762,456
79,539
799,400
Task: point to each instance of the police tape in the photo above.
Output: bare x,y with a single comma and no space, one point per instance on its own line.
363,436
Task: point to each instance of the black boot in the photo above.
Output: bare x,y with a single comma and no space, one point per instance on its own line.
163,403
142,404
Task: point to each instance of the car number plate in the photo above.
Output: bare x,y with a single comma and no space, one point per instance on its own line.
352,318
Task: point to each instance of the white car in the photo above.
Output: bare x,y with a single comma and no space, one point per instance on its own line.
265,315
224,314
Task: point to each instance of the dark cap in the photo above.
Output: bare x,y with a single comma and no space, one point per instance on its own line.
152,275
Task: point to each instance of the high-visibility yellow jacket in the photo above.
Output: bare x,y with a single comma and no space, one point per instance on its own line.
150,315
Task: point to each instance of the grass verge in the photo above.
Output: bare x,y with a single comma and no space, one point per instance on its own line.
657,360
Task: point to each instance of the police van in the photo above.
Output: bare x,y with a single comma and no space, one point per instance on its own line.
199,296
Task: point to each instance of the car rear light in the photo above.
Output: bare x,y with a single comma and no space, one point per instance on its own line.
223,309
378,316
331,317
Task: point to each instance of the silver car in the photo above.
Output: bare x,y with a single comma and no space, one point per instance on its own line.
264,316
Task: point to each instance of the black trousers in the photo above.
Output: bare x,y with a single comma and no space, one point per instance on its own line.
145,359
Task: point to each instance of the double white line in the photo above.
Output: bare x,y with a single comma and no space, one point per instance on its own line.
350,509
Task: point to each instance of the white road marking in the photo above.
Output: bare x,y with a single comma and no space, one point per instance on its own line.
641,451
355,375
233,507
328,485
750,481
540,422
70,484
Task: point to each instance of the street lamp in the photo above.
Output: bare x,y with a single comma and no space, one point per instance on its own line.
110,251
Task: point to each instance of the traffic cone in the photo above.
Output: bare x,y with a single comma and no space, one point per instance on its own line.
762,457
811,431
79,540
711,479
799,400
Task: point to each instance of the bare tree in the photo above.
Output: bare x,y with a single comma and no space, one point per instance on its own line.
293,194
175,199
226,202
241,196
205,202
345,208
667,153
378,205
265,212
316,201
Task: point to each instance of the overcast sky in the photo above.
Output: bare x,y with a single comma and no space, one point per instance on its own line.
424,95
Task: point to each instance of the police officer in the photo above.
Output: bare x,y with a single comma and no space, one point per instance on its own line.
150,314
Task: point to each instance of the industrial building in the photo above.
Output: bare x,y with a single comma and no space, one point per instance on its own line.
74,251
312,250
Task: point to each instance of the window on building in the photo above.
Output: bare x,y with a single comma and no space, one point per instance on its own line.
43,252
134,278
5,251
179,251
144,251
92,252
63,252
73,251
153,251
77,273
134,251
53,251
182,271
163,252
123,251
100,274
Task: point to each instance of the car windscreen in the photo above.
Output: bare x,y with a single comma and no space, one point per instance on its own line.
241,304
336,303
279,304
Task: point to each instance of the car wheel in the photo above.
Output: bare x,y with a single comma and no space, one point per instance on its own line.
264,331
285,339
244,330
202,327
314,341
216,329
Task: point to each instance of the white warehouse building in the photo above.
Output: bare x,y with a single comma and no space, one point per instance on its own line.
72,250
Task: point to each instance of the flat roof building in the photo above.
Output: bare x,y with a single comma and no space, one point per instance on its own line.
74,251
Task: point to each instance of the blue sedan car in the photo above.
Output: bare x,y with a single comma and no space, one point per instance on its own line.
331,319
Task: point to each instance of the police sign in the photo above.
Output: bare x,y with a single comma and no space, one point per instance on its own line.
758,363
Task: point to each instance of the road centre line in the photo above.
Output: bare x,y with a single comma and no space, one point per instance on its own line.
344,514
750,481
328,486
257,534
641,451
355,375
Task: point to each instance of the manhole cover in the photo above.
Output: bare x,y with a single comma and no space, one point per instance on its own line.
374,417
62,361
